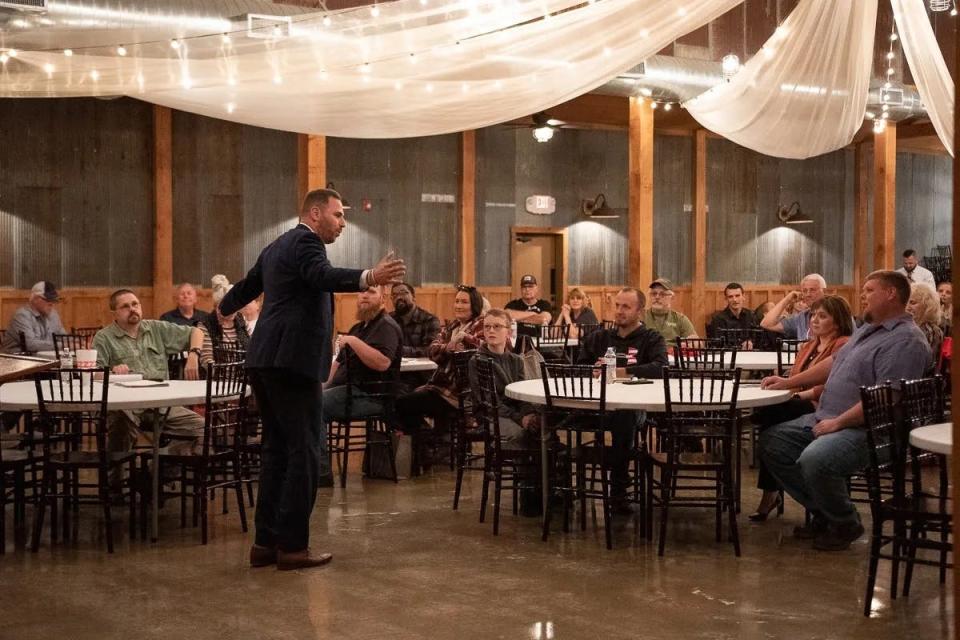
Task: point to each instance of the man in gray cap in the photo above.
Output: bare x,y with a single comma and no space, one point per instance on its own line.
661,317
37,320
529,307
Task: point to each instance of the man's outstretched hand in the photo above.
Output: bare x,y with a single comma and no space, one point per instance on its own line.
389,270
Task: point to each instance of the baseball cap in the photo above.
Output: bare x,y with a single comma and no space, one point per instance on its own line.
527,280
663,283
45,290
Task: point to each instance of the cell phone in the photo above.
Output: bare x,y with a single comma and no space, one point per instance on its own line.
638,381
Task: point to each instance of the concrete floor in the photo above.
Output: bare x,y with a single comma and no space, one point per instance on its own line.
407,566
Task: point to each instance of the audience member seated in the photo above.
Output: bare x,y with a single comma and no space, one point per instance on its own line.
576,311
519,421
186,312
420,327
133,345
813,456
924,308
217,328
914,272
796,326
945,290
529,307
641,352
38,320
734,316
251,313
830,328
661,317
373,347
438,398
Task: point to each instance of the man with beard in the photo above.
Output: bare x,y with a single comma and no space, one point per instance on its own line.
813,456
661,317
641,352
373,346
134,345
914,272
419,326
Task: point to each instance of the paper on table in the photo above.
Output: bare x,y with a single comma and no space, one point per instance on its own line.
143,383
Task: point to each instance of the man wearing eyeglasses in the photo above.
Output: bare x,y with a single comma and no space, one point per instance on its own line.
796,326
661,317
419,326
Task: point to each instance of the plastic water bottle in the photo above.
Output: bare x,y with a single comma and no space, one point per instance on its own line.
513,332
66,362
610,362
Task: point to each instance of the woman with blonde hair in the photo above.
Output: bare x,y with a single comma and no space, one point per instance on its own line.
217,327
924,306
576,311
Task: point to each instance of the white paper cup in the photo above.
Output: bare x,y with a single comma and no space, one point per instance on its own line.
86,358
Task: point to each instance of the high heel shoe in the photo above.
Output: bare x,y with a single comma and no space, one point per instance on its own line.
761,516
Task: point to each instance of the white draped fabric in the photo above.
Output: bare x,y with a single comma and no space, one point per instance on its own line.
805,92
927,65
475,63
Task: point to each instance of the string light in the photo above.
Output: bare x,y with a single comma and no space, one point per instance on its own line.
231,107
174,44
4,58
323,74
94,75
327,21
880,124
653,105
429,87
397,86
375,11
232,81
607,51
68,52
225,38
48,68
668,106
413,58
12,53
277,79
121,51
423,3
464,87
366,68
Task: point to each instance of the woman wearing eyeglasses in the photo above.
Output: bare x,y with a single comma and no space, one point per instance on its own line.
438,398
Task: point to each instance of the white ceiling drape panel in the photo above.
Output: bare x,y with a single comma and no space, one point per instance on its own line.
805,92
927,65
475,63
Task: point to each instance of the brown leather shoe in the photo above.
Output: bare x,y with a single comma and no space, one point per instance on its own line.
262,556
288,561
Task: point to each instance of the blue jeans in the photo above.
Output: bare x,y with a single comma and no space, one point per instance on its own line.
362,405
812,470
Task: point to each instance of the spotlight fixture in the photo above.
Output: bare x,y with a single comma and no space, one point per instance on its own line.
543,134
597,208
792,214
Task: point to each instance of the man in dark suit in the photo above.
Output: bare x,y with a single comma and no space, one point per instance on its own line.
289,356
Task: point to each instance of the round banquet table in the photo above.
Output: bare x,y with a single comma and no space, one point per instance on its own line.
937,438
750,361
638,397
22,396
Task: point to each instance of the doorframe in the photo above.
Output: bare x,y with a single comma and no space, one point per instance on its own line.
560,232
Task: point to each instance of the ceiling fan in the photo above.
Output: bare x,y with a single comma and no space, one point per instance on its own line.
543,126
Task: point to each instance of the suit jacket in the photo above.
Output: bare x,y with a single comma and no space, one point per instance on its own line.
295,326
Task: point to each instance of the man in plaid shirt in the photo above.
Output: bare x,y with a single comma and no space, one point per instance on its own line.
419,327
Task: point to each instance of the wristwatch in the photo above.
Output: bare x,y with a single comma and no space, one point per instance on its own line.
196,350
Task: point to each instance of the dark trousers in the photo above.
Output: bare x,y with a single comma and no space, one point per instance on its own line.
766,417
414,406
623,429
291,407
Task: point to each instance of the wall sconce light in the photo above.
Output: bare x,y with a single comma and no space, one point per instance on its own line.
597,208
792,215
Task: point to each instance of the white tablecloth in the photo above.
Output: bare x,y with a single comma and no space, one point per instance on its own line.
751,360
934,437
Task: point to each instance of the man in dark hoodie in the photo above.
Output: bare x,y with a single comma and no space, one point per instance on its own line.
640,352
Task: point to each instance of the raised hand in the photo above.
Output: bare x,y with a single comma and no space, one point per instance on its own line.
389,270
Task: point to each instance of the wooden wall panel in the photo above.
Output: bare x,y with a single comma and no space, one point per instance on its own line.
672,208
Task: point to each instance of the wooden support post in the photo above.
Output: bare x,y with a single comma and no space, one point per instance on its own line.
640,223
162,208
955,379
311,164
884,197
699,288
862,260
468,207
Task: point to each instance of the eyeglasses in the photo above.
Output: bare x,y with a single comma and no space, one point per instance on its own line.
493,327
661,294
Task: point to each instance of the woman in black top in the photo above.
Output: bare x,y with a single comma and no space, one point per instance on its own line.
576,311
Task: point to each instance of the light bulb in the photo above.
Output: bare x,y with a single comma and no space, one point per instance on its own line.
413,58
429,87
48,68
277,79
397,86
225,38
68,52
891,56
423,3
653,105
186,82
890,71
327,21
887,85
953,12
232,81
323,74
681,12
730,65
4,58
231,107
174,44
464,87
121,51
893,37
94,75
543,134
366,68
607,51
668,106
375,11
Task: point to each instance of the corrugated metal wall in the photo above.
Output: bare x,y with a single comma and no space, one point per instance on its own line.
234,191
747,242
924,202
76,192
399,178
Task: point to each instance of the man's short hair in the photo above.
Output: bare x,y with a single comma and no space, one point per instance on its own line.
910,253
893,280
641,299
116,294
731,286
413,292
817,277
318,198
184,285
